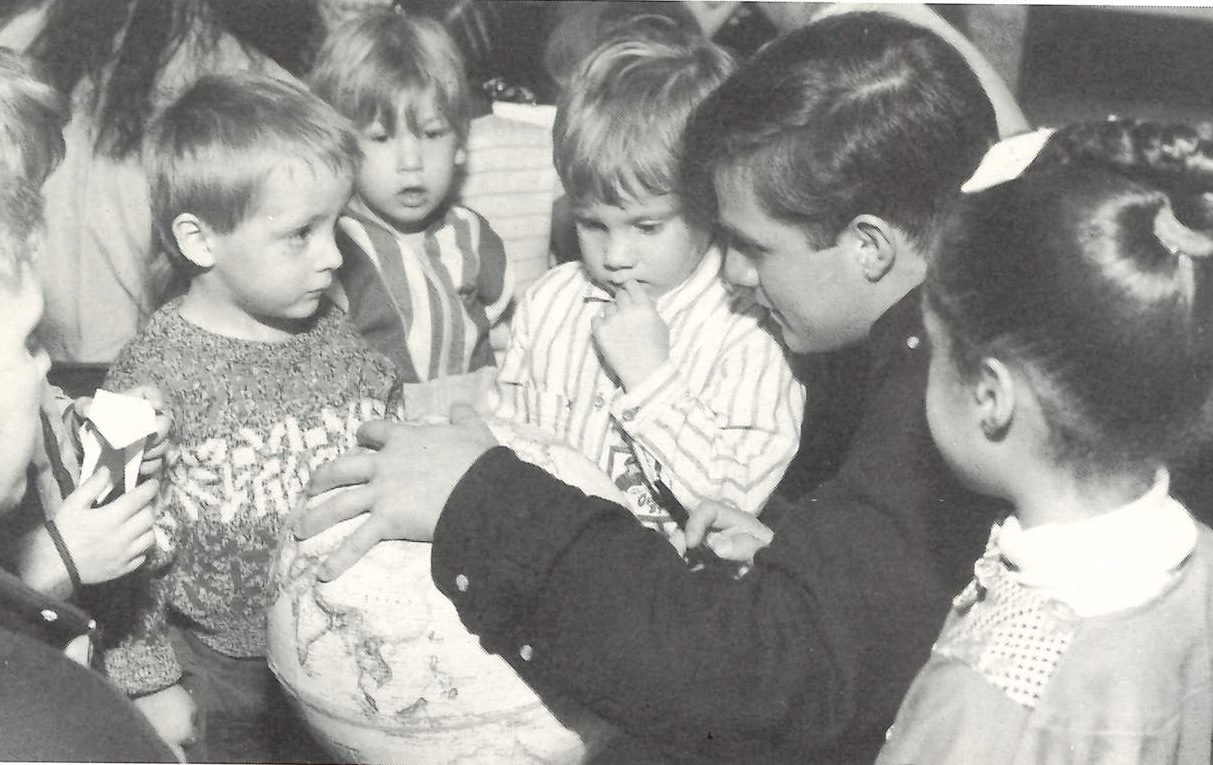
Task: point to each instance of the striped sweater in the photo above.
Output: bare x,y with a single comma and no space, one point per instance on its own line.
427,302
250,422
719,420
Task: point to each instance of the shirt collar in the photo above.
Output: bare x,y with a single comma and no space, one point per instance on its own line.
1107,563
360,209
674,301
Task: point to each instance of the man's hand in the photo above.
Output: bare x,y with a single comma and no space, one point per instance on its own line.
729,532
402,481
631,336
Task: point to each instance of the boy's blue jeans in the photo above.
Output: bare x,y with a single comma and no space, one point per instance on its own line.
243,714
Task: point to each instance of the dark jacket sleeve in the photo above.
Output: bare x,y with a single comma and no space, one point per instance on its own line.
810,652
55,710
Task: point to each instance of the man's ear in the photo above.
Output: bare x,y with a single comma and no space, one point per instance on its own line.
192,237
874,244
995,392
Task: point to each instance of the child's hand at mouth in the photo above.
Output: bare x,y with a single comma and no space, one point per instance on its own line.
631,336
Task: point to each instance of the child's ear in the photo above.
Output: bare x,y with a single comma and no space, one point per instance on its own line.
874,244
994,393
190,233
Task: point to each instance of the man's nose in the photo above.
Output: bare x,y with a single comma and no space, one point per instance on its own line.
739,270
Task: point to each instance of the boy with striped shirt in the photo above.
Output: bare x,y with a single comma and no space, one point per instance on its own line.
638,355
424,280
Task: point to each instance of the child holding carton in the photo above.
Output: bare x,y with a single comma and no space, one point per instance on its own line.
58,540
55,709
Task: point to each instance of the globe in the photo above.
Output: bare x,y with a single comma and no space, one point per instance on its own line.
380,667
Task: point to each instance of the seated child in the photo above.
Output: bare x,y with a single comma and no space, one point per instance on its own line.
638,355
58,540
425,279
1071,333
264,379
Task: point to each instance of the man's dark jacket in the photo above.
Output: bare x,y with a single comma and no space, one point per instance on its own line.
806,658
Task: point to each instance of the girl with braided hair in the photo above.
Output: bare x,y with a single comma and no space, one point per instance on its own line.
1069,309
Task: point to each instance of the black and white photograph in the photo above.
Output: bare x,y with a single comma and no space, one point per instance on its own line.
606,382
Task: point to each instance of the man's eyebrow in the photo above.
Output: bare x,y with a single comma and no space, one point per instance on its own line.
739,238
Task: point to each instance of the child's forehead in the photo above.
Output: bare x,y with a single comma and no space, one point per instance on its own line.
291,181
414,102
635,206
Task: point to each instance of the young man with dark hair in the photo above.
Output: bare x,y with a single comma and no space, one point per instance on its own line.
828,158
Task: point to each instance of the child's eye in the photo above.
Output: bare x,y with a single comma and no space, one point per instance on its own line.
435,133
301,234
649,227
375,134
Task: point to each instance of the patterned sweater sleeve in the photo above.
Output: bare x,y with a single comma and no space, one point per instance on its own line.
733,440
132,611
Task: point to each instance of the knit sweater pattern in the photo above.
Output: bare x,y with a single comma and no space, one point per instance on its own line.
251,421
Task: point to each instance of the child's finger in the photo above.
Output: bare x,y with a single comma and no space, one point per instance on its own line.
141,522
151,467
91,489
142,544
635,293
133,564
163,427
137,499
149,393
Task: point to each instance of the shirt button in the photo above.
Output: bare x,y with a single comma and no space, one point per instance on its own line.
599,401
629,414
526,652
912,342
49,615
461,583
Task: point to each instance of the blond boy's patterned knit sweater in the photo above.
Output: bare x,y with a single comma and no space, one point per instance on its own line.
250,422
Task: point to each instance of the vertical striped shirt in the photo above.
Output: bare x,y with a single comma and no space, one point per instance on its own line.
428,305
720,419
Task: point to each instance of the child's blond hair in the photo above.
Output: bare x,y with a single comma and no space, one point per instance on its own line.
210,152
20,226
372,64
618,130
32,117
